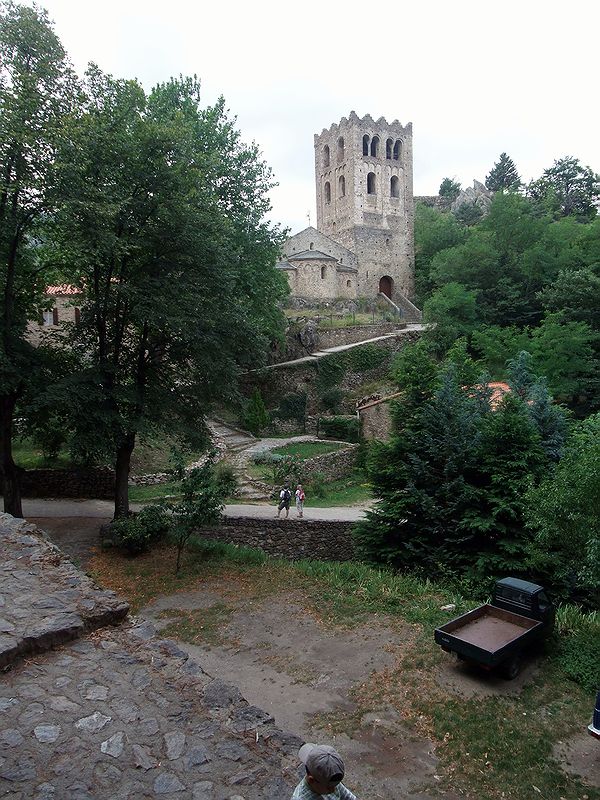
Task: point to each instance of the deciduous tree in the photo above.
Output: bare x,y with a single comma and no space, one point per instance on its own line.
36,90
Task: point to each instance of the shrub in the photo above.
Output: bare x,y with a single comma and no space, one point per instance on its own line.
138,532
292,406
331,399
315,485
343,428
366,357
256,417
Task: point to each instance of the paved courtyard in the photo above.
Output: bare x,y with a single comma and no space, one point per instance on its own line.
112,710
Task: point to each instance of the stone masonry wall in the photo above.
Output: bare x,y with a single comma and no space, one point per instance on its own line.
92,483
376,422
333,465
333,337
294,539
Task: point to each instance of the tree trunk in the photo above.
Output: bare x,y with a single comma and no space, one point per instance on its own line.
11,488
122,476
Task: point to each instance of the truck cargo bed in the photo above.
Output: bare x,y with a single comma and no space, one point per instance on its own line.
489,628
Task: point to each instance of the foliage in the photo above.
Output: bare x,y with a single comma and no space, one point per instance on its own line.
503,176
579,657
332,399
162,220
203,491
564,511
567,188
139,532
330,371
314,485
365,358
256,417
286,468
434,232
454,310
37,89
452,479
449,188
468,214
292,406
345,429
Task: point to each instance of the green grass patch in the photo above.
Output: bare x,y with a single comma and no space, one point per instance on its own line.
29,456
198,626
143,494
304,450
343,492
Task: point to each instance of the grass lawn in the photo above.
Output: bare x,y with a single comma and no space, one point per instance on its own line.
492,746
28,456
142,494
343,492
304,450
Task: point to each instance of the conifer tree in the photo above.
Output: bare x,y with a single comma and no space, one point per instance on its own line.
503,176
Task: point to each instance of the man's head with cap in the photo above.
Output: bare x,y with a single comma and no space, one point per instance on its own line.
324,767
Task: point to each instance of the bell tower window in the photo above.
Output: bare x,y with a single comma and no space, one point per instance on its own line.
366,144
340,149
342,186
394,186
326,156
327,192
371,187
375,146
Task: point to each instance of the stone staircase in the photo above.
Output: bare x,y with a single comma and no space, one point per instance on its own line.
234,443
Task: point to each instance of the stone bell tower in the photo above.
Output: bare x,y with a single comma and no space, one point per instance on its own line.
364,184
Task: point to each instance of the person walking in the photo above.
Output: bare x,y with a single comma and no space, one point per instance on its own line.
300,500
324,773
285,495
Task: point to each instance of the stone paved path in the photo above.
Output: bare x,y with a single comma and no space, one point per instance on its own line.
44,599
119,713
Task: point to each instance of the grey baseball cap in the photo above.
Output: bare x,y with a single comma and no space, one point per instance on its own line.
322,762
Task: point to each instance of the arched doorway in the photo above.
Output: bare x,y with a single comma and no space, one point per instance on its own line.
386,286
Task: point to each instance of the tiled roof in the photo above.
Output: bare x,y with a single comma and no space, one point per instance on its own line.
310,255
63,289
344,268
285,265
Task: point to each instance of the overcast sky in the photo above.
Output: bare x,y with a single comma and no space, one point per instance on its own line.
475,77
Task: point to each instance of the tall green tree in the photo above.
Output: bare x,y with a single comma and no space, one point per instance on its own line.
449,188
36,91
161,224
567,188
564,511
503,176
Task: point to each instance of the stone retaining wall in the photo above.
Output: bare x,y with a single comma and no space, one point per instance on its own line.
292,538
96,483
333,337
334,465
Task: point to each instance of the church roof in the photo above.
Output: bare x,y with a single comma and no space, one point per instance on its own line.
311,255
285,265
345,268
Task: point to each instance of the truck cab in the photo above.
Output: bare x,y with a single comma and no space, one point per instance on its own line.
524,598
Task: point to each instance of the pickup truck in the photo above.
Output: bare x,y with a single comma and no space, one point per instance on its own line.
496,634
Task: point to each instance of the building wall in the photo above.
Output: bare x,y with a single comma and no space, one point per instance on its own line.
66,310
375,422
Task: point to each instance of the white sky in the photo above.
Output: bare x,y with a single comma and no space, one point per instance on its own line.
475,77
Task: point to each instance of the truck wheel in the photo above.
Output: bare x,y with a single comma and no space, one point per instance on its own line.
512,668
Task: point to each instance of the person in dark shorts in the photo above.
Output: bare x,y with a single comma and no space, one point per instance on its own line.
285,495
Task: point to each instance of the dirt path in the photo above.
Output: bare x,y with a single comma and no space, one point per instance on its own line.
306,674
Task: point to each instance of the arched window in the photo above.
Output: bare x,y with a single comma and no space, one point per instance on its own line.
323,273
342,186
327,192
389,146
397,149
311,246
375,146
341,148
326,156
371,183
394,186
366,144
349,284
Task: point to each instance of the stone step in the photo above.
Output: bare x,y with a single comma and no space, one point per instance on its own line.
62,602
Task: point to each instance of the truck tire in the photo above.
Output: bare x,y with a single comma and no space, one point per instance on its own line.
511,668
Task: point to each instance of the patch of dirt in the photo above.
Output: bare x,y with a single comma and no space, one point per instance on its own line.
580,755
78,537
310,676
468,680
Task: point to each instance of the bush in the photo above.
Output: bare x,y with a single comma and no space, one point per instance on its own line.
331,399
345,429
315,485
579,657
256,417
292,406
137,533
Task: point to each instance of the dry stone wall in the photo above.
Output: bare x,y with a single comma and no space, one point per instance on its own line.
294,539
93,483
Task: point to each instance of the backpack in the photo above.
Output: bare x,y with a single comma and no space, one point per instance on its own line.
287,494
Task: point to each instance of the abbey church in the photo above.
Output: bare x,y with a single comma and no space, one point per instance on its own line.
363,245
